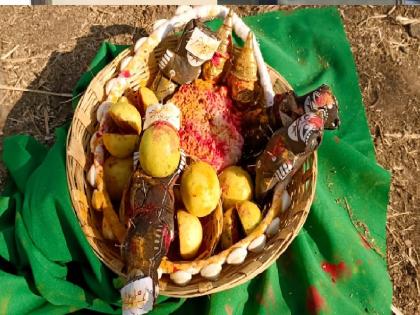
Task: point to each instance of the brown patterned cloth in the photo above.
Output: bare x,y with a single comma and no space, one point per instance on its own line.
286,151
286,109
148,210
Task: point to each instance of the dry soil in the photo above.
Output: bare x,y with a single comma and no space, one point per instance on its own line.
45,48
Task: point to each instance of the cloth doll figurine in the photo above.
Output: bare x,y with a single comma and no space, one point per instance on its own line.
287,107
147,209
196,45
286,151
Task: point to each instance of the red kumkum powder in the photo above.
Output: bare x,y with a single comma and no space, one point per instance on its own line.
210,127
336,271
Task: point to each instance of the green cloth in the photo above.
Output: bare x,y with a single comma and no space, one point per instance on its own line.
336,265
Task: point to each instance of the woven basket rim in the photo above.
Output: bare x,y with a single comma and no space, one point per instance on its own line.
204,289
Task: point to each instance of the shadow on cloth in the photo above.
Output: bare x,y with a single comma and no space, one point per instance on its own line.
45,260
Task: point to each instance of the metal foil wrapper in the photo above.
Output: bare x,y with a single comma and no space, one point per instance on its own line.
323,102
196,45
284,110
215,69
245,64
163,87
243,92
243,75
286,151
288,107
256,134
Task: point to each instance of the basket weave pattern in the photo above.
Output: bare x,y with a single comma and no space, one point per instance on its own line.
84,124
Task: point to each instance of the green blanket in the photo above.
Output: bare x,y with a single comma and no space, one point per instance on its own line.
336,264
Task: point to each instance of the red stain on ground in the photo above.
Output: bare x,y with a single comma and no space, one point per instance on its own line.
336,271
314,301
336,139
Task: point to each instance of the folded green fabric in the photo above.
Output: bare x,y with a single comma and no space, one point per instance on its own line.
336,264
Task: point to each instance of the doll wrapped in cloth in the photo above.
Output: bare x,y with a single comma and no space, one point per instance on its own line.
147,208
196,45
262,123
286,151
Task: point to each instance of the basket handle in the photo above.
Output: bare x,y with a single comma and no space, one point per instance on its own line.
146,45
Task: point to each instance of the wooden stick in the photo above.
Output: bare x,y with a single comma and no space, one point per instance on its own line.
398,214
9,53
395,310
406,21
411,136
24,59
72,99
11,88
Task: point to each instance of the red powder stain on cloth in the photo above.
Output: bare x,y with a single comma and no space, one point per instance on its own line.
336,271
336,139
314,301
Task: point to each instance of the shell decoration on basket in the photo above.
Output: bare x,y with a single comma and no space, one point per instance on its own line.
185,166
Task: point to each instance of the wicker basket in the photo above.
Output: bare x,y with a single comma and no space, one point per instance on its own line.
278,233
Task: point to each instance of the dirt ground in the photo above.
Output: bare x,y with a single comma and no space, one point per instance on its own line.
47,49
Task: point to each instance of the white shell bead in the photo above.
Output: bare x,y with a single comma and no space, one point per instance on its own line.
120,85
109,85
258,244
285,201
237,256
93,141
99,154
181,277
125,62
211,271
116,87
139,42
182,9
273,228
193,270
91,176
159,272
158,23
102,110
